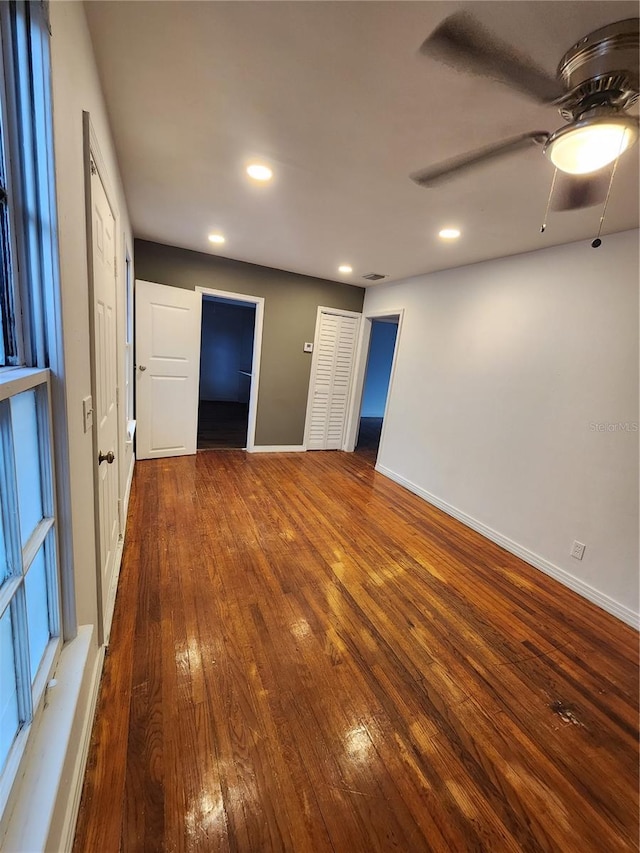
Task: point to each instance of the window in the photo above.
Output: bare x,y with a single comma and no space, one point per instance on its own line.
29,608
8,343
30,612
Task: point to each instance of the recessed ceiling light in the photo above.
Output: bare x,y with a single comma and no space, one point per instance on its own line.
216,238
259,172
345,268
449,233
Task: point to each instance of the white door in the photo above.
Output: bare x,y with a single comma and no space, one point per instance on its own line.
168,369
105,406
331,379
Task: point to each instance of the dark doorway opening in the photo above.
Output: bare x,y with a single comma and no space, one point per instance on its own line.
369,434
384,331
226,356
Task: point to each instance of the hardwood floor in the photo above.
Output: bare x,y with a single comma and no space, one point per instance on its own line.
306,657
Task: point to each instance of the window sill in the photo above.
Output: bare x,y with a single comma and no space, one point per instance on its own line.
14,380
131,431
51,749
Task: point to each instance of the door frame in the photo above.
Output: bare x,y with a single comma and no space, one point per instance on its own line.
361,362
258,302
340,312
92,155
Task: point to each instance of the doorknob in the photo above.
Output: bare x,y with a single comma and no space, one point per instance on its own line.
141,367
106,457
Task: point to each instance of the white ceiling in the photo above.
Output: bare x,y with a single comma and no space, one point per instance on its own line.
335,98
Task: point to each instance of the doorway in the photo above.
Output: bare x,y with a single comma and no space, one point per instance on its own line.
101,412
168,336
382,344
226,372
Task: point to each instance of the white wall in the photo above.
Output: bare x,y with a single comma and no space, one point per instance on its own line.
76,88
503,371
45,798
63,740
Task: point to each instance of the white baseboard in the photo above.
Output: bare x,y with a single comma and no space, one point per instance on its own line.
127,492
625,614
77,780
277,448
113,589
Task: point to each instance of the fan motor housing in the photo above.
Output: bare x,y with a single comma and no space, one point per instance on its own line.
602,69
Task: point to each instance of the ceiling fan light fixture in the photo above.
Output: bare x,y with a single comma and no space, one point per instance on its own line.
589,144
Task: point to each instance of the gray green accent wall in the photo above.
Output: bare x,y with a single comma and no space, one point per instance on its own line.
290,307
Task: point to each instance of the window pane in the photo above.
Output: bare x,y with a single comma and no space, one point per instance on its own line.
9,719
2,356
27,455
7,320
37,611
7,330
4,567
8,519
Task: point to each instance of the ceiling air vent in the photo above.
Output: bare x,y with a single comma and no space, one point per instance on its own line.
373,276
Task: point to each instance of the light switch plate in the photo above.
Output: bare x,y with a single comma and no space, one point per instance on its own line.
87,413
308,347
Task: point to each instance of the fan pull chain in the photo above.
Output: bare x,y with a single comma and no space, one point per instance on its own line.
546,212
598,242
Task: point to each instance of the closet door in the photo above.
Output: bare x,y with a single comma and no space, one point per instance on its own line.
331,378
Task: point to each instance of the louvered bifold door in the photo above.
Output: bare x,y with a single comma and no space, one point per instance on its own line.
335,350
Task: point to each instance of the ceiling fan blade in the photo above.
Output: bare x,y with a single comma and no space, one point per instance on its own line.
573,192
432,176
460,41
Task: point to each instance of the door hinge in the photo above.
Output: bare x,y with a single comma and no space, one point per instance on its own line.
94,169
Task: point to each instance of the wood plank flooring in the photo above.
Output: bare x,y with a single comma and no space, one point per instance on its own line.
306,657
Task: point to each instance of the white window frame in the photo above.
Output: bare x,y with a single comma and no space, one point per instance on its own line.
25,81
31,691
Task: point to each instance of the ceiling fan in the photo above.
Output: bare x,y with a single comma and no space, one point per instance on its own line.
596,83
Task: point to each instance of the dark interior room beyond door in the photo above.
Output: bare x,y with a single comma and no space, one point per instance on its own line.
226,356
382,344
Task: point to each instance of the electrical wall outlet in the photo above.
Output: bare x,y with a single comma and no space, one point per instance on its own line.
308,347
577,550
